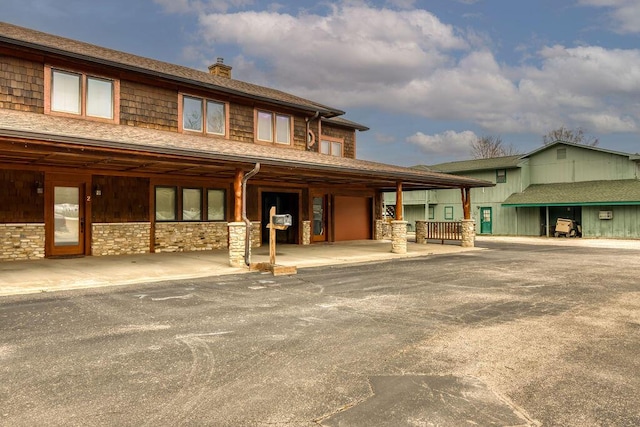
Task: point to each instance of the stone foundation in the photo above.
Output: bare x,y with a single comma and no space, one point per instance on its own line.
399,237
190,236
468,233
383,230
421,232
124,238
237,236
306,232
21,242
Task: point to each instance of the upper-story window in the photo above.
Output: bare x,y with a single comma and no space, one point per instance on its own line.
273,127
331,146
501,176
203,115
72,93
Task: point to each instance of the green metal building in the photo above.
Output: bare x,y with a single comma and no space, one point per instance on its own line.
598,188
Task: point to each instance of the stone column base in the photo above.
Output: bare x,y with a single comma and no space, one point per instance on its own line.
468,233
399,237
237,236
306,232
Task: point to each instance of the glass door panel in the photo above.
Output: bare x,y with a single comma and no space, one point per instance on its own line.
319,223
66,213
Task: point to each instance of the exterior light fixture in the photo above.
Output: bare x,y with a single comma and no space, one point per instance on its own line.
39,187
98,190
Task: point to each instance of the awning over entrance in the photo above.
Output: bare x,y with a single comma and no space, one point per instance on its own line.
587,193
39,140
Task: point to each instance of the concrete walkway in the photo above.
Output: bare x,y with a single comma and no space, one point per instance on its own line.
48,275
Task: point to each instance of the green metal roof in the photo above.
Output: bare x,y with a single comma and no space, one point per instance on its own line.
615,192
506,162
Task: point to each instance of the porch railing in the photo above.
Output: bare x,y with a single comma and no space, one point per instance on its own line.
434,230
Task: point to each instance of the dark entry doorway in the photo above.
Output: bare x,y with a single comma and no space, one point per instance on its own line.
285,203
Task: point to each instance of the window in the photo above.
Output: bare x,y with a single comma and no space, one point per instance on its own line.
216,205
448,212
501,176
203,115
271,124
561,153
78,94
331,146
165,203
190,205
432,212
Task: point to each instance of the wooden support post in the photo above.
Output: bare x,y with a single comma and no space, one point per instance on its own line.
399,201
237,191
466,202
272,237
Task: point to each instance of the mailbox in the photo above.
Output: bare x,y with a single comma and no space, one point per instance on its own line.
284,220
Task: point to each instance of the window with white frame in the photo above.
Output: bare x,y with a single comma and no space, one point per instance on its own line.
81,94
273,127
203,115
331,146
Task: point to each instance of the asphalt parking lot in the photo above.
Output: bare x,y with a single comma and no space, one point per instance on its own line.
515,335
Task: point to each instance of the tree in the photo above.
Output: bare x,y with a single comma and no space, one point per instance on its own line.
487,147
575,136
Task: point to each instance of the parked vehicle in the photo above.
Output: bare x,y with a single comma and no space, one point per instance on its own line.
567,228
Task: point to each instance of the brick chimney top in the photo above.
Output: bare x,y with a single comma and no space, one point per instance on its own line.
220,69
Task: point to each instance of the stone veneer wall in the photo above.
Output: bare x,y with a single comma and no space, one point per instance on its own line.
383,230
198,236
468,233
190,236
123,238
399,237
421,232
306,232
21,242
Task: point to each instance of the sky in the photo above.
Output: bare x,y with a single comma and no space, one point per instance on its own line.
427,77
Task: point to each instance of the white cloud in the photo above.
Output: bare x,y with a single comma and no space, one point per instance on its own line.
409,62
454,144
624,14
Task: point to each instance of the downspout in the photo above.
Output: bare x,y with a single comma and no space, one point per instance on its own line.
247,240
310,141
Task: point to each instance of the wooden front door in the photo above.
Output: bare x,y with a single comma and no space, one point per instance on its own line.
65,215
485,221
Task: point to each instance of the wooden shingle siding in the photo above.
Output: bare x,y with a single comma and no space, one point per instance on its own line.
348,135
19,199
299,133
21,85
123,199
148,107
240,123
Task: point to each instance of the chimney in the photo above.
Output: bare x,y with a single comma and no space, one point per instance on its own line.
220,69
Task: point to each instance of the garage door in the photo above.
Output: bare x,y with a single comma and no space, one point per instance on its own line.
352,218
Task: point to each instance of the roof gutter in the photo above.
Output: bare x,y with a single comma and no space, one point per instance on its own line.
311,140
247,239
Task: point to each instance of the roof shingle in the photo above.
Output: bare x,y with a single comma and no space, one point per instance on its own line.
626,191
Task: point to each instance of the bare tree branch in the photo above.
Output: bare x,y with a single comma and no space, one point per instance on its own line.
487,147
575,136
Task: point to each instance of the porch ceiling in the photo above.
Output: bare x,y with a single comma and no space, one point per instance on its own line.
42,141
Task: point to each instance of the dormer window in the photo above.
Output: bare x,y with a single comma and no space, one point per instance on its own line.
203,115
273,127
71,93
331,146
